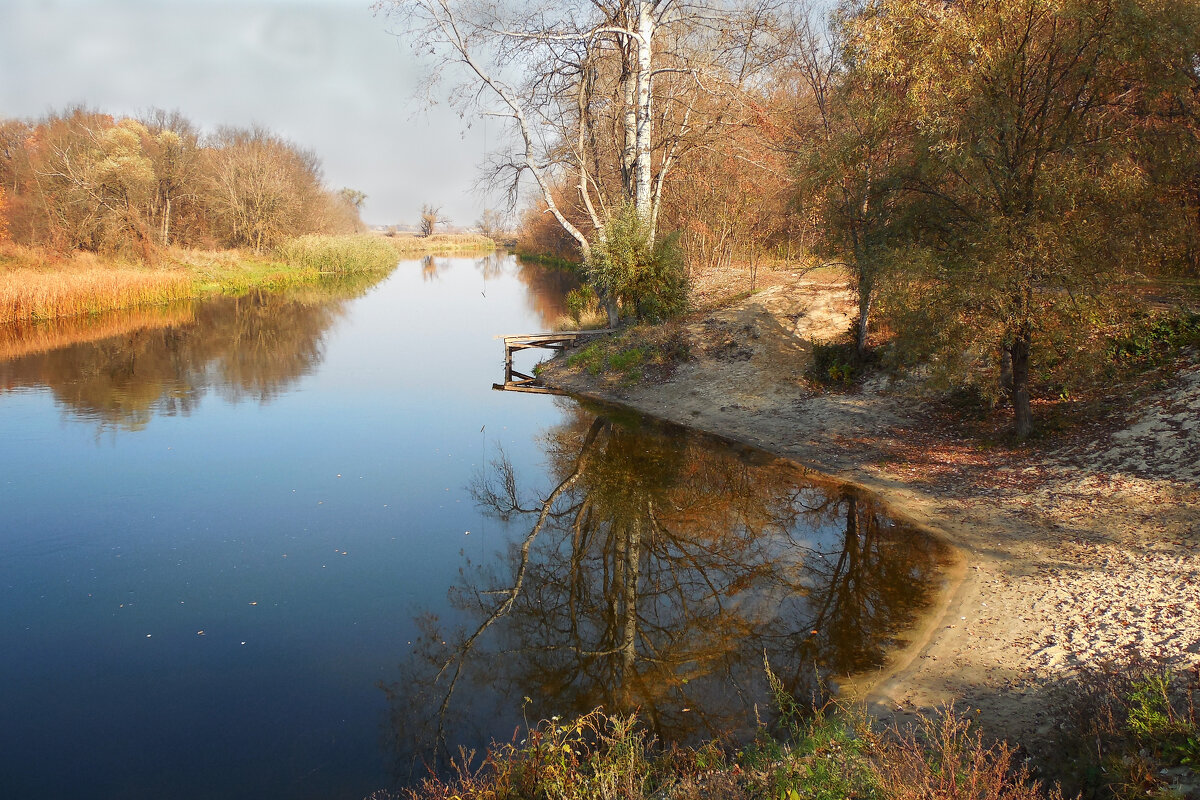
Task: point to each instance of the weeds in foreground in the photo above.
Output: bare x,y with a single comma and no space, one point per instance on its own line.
1129,729
818,752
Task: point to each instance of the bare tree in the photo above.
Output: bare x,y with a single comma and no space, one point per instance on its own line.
602,93
491,224
430,217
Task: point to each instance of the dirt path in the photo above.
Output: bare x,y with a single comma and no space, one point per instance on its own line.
1070,556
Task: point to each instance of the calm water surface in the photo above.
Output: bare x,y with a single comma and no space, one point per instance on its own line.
241,539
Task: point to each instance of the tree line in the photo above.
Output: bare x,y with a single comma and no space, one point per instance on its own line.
1004,182
85,180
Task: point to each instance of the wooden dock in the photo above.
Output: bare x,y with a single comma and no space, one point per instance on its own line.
516,381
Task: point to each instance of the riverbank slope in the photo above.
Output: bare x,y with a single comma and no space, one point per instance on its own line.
1077,550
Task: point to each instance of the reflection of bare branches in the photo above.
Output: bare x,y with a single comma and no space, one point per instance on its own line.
510,595
659,571
431,268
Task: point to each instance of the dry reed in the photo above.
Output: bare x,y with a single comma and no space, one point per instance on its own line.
440,243
34,294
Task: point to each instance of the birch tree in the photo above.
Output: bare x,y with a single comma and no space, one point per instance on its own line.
603,94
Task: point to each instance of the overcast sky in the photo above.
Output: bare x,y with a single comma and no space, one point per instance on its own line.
326,74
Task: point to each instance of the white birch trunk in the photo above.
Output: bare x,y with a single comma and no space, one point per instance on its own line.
643,177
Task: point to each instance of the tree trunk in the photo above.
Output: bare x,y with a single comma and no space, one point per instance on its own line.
166,232
1022,413
644,144
866,296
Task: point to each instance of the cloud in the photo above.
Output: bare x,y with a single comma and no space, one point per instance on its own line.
326,75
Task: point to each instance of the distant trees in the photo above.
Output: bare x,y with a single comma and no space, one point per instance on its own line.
491,224
82,180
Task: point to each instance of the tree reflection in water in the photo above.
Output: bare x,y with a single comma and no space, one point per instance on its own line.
657,575
247,348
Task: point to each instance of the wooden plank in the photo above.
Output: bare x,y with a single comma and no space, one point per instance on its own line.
564,334
515,387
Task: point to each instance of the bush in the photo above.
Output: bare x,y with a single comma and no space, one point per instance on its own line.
1153,340
580,301
1128,728
834,364
649,279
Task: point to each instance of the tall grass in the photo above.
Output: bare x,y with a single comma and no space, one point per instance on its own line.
38,285
34,294
338,255
439,243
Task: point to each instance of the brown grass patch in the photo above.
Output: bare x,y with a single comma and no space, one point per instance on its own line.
36,285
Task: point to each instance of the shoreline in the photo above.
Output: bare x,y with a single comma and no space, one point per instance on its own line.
1072,554
37,286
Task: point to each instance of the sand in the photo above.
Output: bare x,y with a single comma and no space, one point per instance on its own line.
1071,554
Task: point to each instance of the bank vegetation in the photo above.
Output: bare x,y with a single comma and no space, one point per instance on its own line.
99,213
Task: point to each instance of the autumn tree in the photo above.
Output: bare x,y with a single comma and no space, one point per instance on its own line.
1016,149
259,189
491,224
173,147
848,135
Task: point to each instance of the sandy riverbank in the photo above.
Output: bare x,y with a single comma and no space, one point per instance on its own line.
1073,552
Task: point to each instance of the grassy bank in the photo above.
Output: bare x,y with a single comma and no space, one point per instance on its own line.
36,285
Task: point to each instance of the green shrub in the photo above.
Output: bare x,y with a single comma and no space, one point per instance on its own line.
580,301
649,279
1152,340
834,364
1125,726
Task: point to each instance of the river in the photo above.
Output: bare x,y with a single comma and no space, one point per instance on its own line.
296,547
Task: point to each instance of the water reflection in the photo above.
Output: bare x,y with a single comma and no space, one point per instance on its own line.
248,348
657,574
547,291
